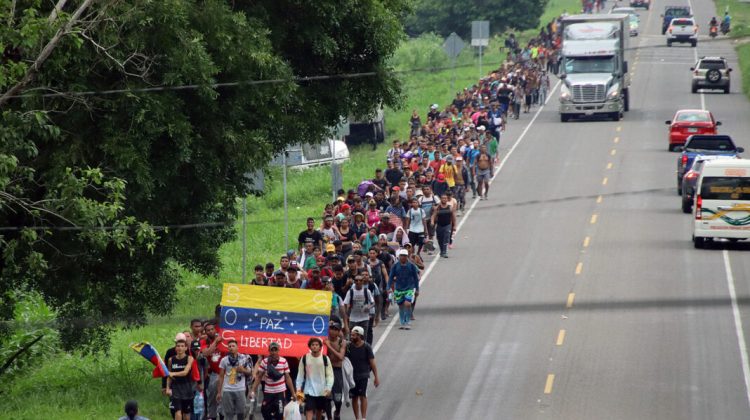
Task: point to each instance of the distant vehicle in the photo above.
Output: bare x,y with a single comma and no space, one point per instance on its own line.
368,131
306,155
594,66
623,10
711,73
691,179
640,3
703,145
683,31
722,202
687,122
635,24
671,12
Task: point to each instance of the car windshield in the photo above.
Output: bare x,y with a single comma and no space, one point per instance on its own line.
575,65
693,117
725,188
710,144
712,65
677,12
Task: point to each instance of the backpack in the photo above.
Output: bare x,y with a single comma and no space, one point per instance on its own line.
367,295
304,369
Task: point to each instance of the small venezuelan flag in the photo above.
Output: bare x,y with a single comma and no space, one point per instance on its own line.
148,351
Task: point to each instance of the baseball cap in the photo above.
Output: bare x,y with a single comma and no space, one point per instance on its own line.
180,336
358,330
385,216
459,159
434,106
345,207
274,345
441,177
290,253
481,128
403,252
449,159
196,344
330,248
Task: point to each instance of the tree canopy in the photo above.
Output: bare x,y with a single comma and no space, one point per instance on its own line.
93,185
444,17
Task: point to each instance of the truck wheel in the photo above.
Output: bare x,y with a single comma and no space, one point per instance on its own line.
694,44
626,99
699,242
726,89
694,88
669,43
616,116
564,118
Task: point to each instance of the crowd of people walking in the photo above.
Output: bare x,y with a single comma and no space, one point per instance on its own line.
369,248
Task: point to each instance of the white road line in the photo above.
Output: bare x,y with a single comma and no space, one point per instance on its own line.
427,272
738,324
703,95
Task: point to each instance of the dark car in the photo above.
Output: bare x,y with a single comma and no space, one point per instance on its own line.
640,3
672,12
703,145
691,178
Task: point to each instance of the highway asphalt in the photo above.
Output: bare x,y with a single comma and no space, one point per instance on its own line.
575,292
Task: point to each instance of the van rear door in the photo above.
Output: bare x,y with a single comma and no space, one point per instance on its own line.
725,203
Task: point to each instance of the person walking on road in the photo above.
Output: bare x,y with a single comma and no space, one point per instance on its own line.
315,379
484,169
358,302
363,362
404,282
179,381
273,371
444,219
230,391
336,345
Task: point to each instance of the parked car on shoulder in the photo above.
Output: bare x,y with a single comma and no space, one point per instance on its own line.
687,122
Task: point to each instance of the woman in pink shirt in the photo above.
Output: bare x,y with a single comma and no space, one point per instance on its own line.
373,216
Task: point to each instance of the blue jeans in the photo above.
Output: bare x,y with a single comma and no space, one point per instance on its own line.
444,238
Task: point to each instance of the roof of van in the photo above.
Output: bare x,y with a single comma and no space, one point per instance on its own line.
727,163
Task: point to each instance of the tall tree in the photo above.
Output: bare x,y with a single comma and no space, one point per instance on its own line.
89,183
444,17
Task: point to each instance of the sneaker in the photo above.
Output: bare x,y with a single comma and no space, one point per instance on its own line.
407,327
401,327
444,255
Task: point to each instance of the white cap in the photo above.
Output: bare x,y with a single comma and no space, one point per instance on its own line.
359,330
403,252
180,337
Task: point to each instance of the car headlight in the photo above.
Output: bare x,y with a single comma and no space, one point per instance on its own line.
614,91
565,94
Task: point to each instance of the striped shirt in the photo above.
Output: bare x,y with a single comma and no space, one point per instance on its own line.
274,387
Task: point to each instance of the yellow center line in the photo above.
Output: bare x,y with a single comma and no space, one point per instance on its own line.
571,297
613,152
593,218
579,268
617,140
609,165
604,181
599,199
586,241
560,338
619,128
548,385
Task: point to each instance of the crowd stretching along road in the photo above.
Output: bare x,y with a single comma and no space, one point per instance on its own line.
369,248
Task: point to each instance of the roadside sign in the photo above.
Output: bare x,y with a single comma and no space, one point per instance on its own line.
480,33
453,45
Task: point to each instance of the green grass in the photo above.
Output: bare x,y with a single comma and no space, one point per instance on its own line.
72,387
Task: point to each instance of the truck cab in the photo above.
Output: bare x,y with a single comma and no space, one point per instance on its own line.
673,12
593,66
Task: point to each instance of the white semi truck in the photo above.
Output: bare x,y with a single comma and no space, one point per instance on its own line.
594,66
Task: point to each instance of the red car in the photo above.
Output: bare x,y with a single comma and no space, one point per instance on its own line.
687,122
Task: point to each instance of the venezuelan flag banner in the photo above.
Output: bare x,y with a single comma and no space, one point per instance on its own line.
149,353
255,316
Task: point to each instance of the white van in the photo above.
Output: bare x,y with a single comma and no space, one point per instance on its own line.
722,201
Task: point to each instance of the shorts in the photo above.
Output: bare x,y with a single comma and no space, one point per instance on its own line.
416,239
185,406
315,403
360,388
401,296
483,175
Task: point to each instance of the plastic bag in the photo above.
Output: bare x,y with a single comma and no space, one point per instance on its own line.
291,411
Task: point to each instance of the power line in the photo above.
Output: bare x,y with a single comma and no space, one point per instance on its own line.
297,79
207,225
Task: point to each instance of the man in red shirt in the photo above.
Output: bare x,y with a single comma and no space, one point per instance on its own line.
212,352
